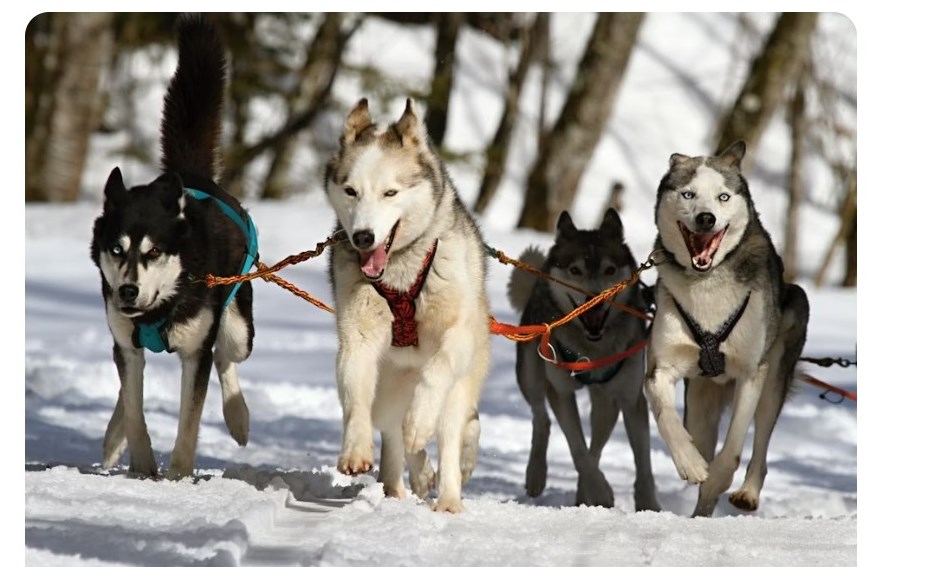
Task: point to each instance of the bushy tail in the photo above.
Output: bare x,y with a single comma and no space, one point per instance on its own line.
192,116
519,289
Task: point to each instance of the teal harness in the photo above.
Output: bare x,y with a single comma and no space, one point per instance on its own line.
154,336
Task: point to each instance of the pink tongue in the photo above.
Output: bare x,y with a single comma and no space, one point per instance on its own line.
373,262
707,245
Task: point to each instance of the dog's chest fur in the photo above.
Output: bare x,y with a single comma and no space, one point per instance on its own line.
711,301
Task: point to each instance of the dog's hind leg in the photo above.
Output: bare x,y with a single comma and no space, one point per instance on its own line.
422,476
530,375
472,435
195,378
130,364
235,411
233,344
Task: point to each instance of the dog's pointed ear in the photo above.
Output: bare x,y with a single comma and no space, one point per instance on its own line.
565,226
612,225
732,156
409,128
359,120
114,191
677,159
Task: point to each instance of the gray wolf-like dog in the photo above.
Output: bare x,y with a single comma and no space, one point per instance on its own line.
591,260
411,308
725,322
154,243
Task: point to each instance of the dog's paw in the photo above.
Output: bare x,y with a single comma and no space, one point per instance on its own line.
143,465
744,500
594,490
451,505
422,480
355,462
177,472
536,476
235,414
691,465
417,431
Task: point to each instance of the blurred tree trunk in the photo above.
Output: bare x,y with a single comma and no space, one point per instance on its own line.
774,69
496,153
544,46
68,107
851,241
847,235
324,57
316,78
447,27
557,171
798,131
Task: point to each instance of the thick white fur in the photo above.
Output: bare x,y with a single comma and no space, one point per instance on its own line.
412,395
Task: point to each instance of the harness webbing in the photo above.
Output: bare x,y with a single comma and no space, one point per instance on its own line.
154,336
712,362
402,304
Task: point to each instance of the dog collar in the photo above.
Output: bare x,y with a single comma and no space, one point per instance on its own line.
588,377
402,304
712,362
154,336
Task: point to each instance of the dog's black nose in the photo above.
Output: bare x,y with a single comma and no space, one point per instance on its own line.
128,292
705,221
363,238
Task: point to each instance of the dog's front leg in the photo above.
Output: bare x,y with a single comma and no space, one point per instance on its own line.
130,365
659,389
428,401
356,376
747,393
195,378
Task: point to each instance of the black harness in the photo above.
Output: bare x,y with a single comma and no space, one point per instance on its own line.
712,362
588,377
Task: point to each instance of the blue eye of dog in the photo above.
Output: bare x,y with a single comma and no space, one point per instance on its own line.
575,271
350,192
724,197
390,193
688,194
116,250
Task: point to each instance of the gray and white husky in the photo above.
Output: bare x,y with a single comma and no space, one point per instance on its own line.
411,308
154,243
726,322
591,260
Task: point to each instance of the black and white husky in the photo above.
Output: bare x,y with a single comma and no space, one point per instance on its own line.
726,322
154,244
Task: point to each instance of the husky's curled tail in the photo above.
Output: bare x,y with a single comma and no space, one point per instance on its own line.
191,120
519,288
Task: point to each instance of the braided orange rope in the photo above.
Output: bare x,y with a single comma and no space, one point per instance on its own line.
504,259
527,333
267,273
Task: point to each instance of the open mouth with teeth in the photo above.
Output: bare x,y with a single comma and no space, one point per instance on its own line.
593,320
374,261
702,246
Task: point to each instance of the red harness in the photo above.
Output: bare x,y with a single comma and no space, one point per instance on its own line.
403,304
